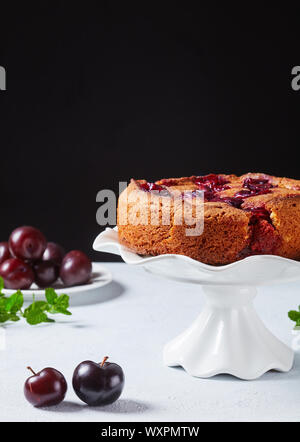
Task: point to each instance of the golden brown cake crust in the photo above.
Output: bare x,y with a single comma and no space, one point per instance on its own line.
247,215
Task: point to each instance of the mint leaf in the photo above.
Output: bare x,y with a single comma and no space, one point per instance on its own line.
4,316
1,285
62,304
58,304
14,318
2,303
14,303
294,315
38,306
35,313
63,301
51,295
37,317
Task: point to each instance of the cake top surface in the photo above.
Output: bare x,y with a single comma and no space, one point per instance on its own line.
242,192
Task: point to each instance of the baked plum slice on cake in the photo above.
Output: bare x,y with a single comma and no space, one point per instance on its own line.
243,215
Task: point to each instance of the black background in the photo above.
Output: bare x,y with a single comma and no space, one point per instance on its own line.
101,92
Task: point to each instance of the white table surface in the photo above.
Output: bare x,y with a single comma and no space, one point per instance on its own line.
130,320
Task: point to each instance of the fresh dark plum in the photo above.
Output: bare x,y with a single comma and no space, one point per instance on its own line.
4,252
76,268
54,252
27,243
46,273
98,384
16,274
45,388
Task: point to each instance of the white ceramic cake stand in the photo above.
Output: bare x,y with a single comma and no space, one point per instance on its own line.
228,336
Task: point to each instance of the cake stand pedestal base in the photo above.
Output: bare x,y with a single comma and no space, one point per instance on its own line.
228,337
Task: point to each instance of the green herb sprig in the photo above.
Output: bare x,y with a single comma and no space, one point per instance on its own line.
294,315
35,313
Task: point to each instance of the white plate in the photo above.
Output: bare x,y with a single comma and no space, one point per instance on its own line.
252,271
100,277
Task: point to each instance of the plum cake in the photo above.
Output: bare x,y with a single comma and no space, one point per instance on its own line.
244,215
